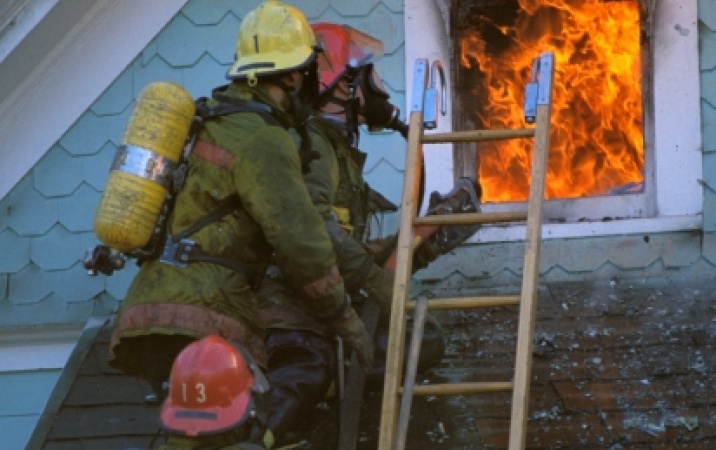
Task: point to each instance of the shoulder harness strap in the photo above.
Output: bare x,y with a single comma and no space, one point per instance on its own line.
231,105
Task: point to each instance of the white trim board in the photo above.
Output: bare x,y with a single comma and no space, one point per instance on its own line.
54,81
37,348
663,224
17,20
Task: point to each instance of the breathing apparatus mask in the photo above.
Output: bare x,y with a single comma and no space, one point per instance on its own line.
349,55
379,113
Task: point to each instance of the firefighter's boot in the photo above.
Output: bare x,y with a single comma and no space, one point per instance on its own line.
378,285
300,371
464,198
432,347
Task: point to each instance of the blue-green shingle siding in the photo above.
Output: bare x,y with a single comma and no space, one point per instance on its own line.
46,220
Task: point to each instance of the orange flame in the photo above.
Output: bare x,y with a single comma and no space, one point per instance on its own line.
597,140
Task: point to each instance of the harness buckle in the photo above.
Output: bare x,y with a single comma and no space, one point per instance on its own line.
273,272
177,253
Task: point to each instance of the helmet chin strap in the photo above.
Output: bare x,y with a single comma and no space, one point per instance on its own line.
349,113
295,106
301,113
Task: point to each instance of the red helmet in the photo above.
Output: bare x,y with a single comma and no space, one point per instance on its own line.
209,389
343,48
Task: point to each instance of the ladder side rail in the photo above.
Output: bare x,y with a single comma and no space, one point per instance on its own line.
408,212
411,371
523,358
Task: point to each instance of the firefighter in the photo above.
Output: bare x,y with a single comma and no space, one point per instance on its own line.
352,94
300,364
243,200
215,394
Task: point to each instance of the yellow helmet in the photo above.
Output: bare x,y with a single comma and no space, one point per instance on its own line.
273,38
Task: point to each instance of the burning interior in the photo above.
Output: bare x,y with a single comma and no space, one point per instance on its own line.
597,143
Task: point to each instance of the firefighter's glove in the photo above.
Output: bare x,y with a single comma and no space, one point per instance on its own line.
464,198
378,285
339,317
350,328
382,248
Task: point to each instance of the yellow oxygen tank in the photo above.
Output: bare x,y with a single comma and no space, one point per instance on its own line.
141,173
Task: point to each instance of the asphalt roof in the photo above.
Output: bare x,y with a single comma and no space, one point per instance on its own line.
617,365
94,406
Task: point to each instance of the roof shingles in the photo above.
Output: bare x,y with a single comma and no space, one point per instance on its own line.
616,365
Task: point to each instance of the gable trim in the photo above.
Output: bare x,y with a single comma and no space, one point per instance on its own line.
64,384
72,75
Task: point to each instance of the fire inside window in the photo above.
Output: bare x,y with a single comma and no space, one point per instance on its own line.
597,141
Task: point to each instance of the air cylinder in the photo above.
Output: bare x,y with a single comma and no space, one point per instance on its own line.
141,174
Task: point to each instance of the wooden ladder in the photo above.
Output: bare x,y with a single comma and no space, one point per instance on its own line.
538,105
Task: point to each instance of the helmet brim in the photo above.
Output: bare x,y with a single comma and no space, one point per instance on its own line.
345,49
258,65
205,421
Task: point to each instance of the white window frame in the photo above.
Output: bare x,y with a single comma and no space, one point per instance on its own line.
675,203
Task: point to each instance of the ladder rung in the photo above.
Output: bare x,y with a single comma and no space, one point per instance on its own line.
478,135
461,388
468,302
471,218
